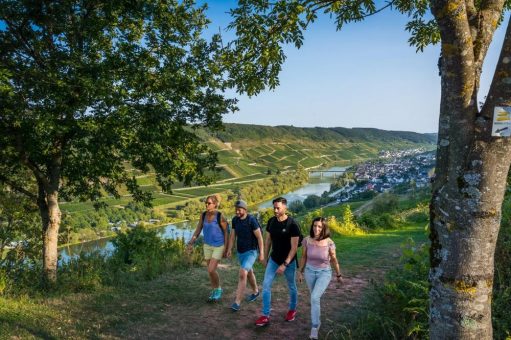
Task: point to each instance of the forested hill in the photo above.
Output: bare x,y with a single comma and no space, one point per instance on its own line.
242,132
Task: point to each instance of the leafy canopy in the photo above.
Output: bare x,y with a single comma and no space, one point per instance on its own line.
87,85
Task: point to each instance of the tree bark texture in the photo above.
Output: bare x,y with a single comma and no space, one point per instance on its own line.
471,173
50,216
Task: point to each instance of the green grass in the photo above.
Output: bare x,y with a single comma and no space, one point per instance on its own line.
375,251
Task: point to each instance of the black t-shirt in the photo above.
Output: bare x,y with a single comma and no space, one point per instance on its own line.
244,229
281,233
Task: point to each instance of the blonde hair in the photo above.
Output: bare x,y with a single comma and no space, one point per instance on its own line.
216,198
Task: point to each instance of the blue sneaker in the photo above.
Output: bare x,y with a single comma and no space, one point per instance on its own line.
212,296
217,294
235,307
252,297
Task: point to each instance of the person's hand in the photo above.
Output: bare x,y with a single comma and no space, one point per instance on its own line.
339,279
300,276
261,259
281,269
189,248
264,262
224,255
229,253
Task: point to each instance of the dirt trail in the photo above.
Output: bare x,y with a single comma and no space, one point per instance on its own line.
201,320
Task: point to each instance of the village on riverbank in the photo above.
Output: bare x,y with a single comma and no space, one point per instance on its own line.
401,171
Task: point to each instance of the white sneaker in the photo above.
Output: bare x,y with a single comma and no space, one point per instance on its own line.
314,333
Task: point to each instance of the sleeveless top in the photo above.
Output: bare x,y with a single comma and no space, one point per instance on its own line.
213,234
318,256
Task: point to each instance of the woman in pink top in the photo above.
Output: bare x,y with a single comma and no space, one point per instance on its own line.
318,258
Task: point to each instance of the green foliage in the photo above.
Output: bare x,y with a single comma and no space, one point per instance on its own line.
264,216
145,254
397,308
501,302
381,221
419,214
297,207
385,203
312,201
84,273
348,225
137,110
20,241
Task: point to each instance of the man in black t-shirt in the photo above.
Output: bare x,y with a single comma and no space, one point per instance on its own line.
249,243
282,237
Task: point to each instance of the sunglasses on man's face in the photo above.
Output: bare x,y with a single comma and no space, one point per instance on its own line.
208,203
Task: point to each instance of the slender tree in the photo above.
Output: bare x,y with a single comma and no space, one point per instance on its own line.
93,92
471,163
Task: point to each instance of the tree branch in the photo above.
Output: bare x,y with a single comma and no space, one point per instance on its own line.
17,187
21,38
500,89
26,160
487,21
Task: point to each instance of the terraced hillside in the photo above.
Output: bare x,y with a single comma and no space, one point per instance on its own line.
247,153
248,150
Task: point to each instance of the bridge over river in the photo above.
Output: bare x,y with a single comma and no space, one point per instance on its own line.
332,172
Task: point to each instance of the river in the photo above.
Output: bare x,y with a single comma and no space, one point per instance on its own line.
316,186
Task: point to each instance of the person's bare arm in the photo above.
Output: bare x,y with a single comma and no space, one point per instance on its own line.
303,261
232,240
259,237
335,264
267,247
223,224
290,255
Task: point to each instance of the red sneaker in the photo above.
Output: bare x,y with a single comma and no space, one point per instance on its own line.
262,321
290,316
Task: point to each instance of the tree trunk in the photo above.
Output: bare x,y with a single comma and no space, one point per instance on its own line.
50,216
468,191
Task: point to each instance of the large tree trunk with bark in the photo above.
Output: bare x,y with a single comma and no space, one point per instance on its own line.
471,173
50,216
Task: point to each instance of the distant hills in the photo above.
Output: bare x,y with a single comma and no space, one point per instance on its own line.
249,153
246,150
240,132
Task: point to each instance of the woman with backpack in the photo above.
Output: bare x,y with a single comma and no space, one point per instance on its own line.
318,258
215,230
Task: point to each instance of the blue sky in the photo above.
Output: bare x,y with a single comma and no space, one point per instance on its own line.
366,75
363,76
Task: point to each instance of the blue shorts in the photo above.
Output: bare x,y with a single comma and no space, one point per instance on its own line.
247,259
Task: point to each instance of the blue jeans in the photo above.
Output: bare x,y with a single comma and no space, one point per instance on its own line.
317,280
269,276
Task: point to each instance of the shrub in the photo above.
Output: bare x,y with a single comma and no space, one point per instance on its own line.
398,307
502,278
297,207
144,253
419,214
83,273
385,203
348,225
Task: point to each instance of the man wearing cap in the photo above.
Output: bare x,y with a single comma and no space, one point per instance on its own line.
247,233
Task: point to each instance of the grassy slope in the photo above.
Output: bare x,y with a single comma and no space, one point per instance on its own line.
117,312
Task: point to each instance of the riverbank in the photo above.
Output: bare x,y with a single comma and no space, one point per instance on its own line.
174,303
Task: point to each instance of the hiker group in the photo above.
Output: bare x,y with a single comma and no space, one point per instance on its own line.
283,237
